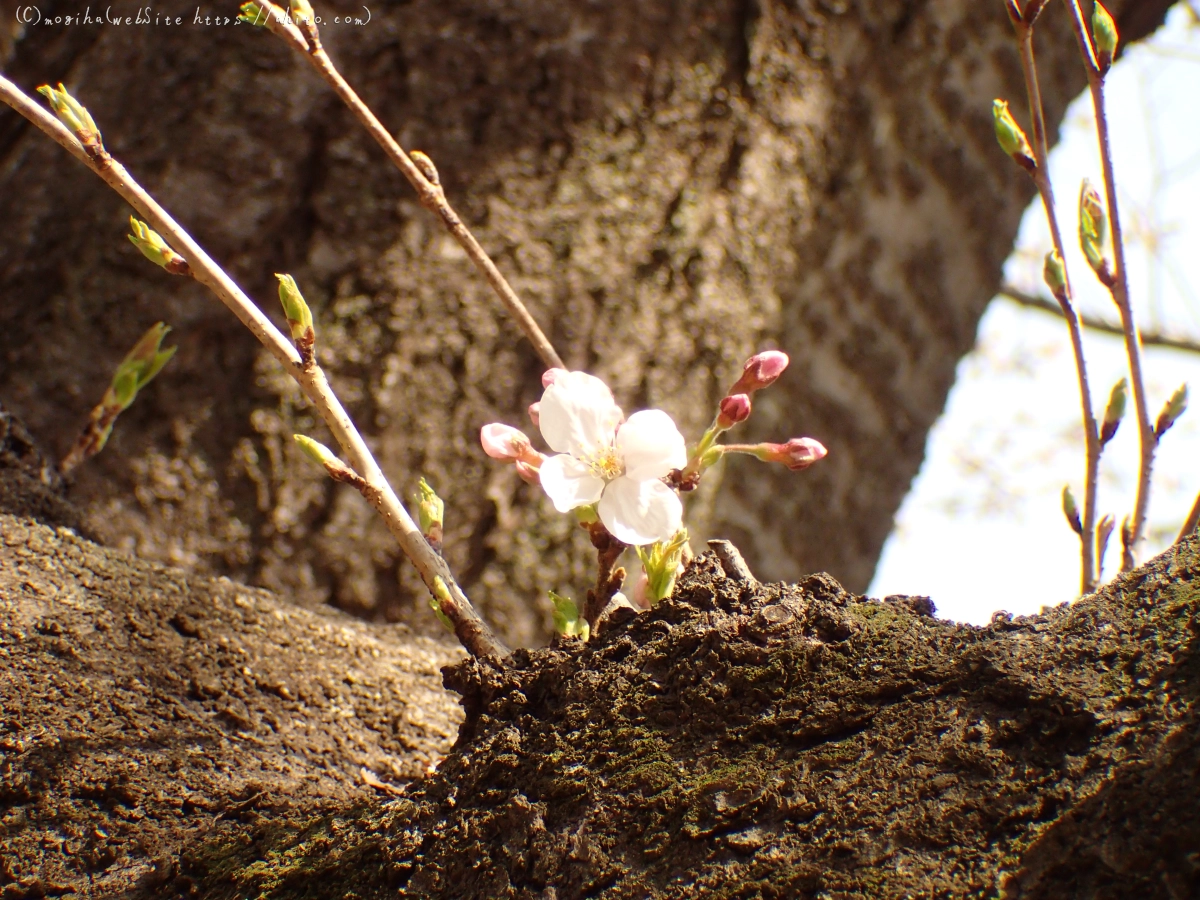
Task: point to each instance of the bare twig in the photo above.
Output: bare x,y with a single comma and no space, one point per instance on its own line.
1148,440
1190,523
609,578
1041,178
472,632
423,178
1149,338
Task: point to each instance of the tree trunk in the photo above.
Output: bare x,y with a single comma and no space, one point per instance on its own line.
670,185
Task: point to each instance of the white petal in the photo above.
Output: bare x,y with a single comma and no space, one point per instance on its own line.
651,445
569,483
640,512
577,414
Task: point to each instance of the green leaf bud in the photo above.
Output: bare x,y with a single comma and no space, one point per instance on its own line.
1104,33
567,620
139,367
1011,136
71,113
1173,409
431,510
1093,227
661,563
1071,510
253,14
439,596
155,249
302,11
299,318
1115,411
316,451
1055,275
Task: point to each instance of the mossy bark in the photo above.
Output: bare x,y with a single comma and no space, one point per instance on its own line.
774,741
163,734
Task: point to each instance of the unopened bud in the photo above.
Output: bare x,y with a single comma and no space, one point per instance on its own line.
504,442
528,473
299,316
535,414
1055,275
1114,412
139,367
1071,510
760,371
796,454
302,11
1104,32
552,375
733,410
661,562
1173,409
567,620
155,249
430,514
1093,226
1104,531
71,113
253,14
1011,136
425,164
316,451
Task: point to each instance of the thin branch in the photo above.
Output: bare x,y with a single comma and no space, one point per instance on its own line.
1148,440
472,632
1041,178
424,179
1191,522
1149,338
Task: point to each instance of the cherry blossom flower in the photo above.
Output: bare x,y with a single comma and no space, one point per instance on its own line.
608,460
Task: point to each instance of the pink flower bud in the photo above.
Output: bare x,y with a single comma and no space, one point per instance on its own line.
796,454
528,473
535,414
551,375
503,442
760,370
641,592
733,409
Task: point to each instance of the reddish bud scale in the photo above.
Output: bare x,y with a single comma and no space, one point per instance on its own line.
761,370
733,410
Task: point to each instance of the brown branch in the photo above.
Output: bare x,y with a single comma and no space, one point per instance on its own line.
473,633
1189,524
424,179
608,579
1149,338
1041,178
1148,440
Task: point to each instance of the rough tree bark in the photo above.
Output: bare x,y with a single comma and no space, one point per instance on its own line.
167,735
670,184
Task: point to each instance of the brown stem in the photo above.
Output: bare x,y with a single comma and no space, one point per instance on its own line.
1119,287
475,636
1041,178
92,439
608,578
429,191
1149,338
1190,523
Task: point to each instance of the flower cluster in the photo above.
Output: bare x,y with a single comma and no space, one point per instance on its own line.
624,475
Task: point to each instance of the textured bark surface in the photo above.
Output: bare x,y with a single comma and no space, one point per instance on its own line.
670,184
794,741
164,734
